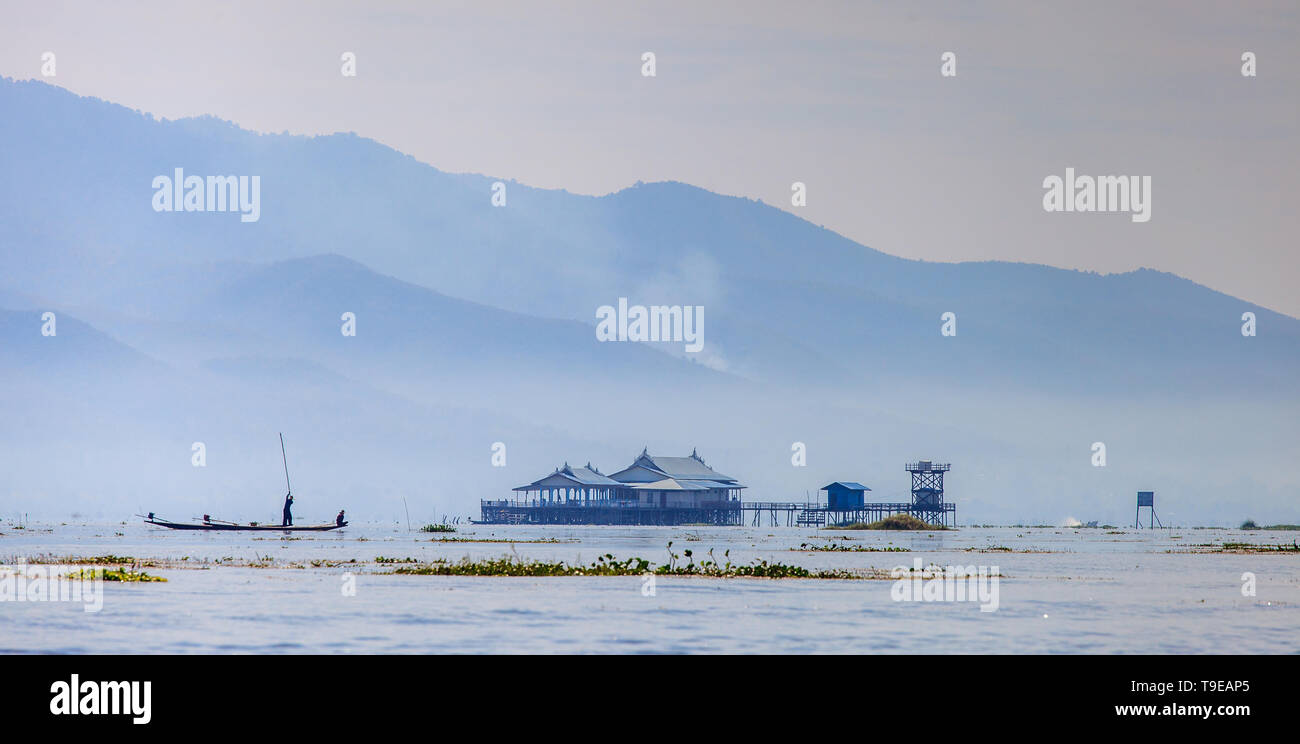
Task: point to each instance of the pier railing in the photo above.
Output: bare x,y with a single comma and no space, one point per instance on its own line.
630,511
561,504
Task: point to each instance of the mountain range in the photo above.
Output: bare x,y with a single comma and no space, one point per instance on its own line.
474,324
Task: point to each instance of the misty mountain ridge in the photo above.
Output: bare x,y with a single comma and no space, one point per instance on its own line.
461,305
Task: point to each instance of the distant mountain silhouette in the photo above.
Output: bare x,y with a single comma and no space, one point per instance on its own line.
784,299
461,304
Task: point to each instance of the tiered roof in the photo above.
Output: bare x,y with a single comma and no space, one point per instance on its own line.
647,472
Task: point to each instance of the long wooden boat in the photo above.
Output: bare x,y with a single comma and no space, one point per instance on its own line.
232,526
220,525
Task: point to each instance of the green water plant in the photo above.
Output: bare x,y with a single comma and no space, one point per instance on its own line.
892,522
80,560
1235,547
608,565
834,547
541,540
112,574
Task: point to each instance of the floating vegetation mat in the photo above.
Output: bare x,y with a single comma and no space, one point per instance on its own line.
892,522
1237,547
1005,549
834,547
112,574
608,565
49,559
501,540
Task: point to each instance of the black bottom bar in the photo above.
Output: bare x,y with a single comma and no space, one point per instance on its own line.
328,694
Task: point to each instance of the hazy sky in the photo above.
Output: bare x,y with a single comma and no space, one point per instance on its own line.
750,97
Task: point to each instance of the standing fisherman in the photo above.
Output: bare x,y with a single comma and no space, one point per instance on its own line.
288,497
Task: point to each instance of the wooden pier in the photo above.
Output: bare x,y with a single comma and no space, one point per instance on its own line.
754,513
776,513
608,512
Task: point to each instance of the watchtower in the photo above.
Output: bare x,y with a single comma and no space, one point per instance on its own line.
927,491
1147,499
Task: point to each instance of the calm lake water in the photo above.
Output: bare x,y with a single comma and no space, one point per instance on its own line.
1078,591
